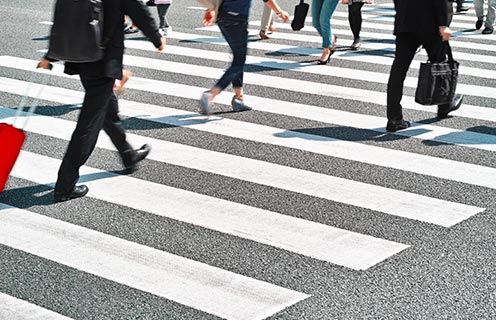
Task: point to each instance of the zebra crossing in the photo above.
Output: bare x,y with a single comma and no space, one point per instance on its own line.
232,151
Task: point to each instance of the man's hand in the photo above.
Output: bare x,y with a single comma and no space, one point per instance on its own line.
44,64
209,18
162,46
445,33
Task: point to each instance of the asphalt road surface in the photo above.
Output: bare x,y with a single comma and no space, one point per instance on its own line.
303,208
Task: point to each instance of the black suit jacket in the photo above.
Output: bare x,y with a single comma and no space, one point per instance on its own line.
420,15
113,35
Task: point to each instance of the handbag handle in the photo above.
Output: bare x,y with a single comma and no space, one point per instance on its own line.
449,53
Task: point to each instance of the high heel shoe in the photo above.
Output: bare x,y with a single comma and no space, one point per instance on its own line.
321,62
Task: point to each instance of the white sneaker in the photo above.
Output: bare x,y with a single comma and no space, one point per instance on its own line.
167,31
205,103
162,32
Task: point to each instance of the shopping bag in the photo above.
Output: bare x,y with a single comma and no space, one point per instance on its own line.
300,14
12,138
437,81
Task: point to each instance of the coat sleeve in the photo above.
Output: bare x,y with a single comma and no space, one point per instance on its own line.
441,12
142,17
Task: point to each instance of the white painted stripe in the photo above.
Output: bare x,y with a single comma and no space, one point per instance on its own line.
334,245
196,8
375,35
203,287
341,18
12,308
359,194
437,167
365,44
420,131
297,85
46,22
384,13
268,46
439,134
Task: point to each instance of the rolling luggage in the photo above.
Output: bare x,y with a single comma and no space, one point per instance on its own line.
12,138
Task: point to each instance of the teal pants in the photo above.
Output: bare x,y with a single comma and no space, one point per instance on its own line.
322,11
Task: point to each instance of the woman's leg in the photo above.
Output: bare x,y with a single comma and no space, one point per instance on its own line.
328,8
266,20
316,9
355,18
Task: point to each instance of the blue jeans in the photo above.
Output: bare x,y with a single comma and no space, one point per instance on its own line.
235,31
322,11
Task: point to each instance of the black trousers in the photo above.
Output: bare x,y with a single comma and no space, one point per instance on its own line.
355,18
406,46
100,110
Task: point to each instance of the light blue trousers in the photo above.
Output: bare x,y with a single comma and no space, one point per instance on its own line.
322,11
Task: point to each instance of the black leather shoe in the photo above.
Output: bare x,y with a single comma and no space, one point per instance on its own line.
478,24
77,192
395,125
487,30
139,155
462,9
443,110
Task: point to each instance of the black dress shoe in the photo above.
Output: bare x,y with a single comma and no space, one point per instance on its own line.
487,30
478,24
462,9
138,155
77,192
395,125
443,110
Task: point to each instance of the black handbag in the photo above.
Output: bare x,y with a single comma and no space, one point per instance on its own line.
437,81
300,15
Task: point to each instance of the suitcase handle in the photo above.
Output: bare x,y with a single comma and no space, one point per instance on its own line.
34,102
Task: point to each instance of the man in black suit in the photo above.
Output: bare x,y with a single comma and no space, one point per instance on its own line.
417,22
100,108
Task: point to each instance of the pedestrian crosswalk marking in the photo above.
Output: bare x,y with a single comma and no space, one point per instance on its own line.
12,308
386,37
429,132
413,206
273,47
365,45
345,248
437,167
297,84
198,285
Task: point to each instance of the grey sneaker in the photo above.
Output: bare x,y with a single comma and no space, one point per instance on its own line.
238,105
205,103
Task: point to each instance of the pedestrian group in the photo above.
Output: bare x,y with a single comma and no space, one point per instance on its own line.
418,23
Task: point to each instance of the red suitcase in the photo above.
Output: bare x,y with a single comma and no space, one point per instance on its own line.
12,138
